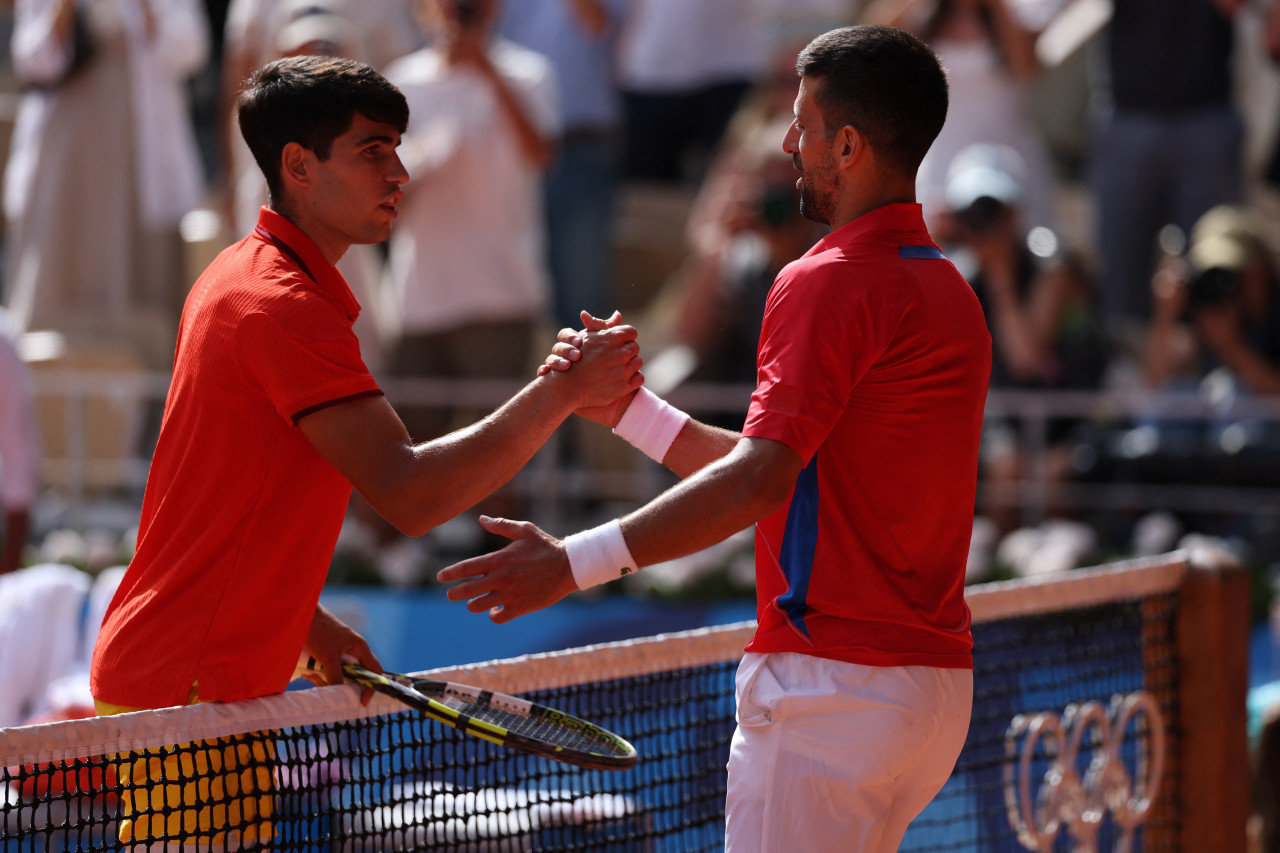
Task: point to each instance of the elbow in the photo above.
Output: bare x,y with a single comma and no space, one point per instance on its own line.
405,520
766,483
408,513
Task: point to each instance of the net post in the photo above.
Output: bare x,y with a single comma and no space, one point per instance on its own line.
1213,654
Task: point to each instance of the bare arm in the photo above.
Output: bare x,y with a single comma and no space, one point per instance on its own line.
17,523
697,444
1221,328
329,640
590,15
1016,42
470,49
723,497
417,487
1170,348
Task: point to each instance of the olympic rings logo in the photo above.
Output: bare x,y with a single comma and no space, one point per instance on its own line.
1066,799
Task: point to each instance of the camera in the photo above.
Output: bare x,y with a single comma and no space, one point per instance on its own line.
980,216
468,12
779,205
1212,286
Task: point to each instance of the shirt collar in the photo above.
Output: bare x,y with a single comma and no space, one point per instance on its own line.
899,217
294,243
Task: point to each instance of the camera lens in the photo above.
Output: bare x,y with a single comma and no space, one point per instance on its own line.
467,11
1213,286
981,215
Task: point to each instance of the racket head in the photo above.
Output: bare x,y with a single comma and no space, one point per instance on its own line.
504,719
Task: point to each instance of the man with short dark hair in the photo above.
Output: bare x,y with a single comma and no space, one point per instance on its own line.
857,464
272,418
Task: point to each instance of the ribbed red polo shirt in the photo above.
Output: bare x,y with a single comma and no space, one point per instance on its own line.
873,366
241,513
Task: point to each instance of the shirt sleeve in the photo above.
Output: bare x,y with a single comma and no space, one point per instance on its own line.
303,367
821,333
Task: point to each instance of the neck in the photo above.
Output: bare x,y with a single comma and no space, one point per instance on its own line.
854,203
332,249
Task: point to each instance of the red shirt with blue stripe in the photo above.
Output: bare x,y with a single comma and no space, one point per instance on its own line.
873,366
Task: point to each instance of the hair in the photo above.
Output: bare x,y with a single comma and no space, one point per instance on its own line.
884,82
311,100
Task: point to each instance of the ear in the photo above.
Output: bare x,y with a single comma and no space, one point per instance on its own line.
849,147
295,162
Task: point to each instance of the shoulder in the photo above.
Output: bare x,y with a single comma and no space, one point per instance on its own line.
519,62
845,266
254,277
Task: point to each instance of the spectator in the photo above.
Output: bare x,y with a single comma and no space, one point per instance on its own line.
102,167
988,49
19,449
465,269
1217,308
1039,307
579,37
684,68
733,171
40,611
1168,144
757,231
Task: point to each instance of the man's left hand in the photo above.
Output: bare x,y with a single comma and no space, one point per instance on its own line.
330,640
529,574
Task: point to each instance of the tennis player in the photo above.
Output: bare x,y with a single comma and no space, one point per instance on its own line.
272,418
857,465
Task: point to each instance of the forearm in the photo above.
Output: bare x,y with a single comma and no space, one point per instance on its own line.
727,495
1022,348
1017,43
1158,358
1251,368
698,445
590,15
535,147
449,475
16,526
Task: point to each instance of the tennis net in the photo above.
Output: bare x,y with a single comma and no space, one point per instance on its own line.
1105,712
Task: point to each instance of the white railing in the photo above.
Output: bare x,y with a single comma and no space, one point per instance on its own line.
99,426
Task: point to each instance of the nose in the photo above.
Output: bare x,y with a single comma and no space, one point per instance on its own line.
790,141
398,174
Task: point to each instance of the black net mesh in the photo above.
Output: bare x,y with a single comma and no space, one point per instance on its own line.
400,781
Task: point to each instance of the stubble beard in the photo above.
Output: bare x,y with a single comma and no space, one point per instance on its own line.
811,207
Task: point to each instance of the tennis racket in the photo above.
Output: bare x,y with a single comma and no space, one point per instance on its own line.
502,719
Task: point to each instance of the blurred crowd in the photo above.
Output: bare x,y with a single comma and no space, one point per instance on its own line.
1106,180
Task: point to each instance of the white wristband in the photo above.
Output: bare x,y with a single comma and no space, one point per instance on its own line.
599,555
650,424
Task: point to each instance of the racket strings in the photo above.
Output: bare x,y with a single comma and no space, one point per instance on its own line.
548,728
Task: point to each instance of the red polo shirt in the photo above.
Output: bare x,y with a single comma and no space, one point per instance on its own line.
873,366
241,513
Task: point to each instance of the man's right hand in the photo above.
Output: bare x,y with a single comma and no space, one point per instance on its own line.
608,367
568,350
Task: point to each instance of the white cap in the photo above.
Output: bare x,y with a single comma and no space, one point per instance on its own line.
985,171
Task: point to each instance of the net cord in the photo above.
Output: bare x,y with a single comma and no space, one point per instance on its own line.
70,739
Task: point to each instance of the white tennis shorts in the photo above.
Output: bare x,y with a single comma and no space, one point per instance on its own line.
831,756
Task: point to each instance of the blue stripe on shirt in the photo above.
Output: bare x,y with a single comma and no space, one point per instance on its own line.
921,253
799,542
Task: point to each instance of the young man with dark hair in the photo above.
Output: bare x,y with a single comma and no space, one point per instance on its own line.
272,418
857,465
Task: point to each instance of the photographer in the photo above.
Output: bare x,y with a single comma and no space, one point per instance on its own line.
1216,308
746,227
1038,303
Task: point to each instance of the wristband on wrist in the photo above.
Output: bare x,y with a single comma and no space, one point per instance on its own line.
599,555
651,424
